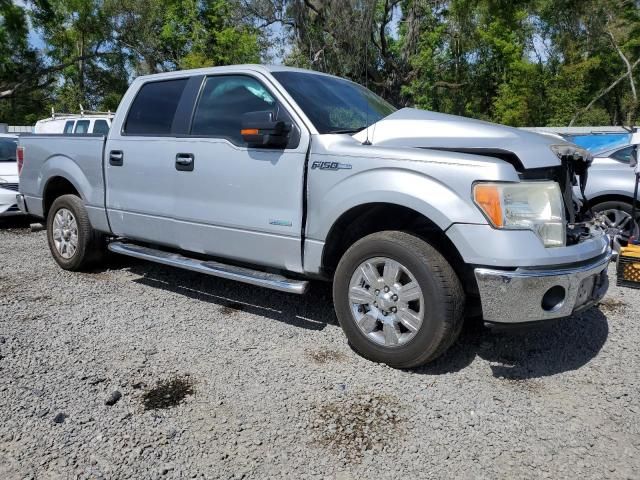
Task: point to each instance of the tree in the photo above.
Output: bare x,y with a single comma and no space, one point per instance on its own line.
21,95
163,35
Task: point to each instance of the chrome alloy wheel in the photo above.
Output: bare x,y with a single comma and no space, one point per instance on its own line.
386,301
65,233
620,227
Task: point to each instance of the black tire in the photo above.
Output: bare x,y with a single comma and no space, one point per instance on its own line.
441,288
616,205
621,206
91,246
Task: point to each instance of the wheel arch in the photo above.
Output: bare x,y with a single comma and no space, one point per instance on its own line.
55,187
365,219
611,197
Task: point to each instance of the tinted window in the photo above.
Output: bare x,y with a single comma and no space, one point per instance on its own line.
82,126
332,104
8,149
68,127
623,155
154,107
101,126
224,100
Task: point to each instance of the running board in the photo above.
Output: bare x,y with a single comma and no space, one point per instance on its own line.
209,267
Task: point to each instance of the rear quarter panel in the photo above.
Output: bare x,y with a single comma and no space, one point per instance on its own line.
75,158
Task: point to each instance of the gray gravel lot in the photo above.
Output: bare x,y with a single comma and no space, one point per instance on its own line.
143,371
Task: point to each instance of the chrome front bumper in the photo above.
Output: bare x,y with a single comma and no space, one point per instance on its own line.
526,295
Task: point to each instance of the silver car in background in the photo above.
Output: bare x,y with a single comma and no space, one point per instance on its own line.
8,175
610,190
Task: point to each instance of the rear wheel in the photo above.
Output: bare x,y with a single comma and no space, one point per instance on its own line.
398,300
74,244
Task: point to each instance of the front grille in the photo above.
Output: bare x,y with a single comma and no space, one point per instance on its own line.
10,186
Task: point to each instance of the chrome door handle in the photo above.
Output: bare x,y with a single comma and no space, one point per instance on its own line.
116,158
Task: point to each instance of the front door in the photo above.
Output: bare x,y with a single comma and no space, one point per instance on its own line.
238,202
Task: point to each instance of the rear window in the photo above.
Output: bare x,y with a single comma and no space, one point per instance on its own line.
82,126
154,107
8,149
101,126
68,127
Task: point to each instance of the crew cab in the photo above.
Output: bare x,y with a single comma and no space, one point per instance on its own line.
274,176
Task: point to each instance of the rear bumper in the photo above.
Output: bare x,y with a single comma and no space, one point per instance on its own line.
526,295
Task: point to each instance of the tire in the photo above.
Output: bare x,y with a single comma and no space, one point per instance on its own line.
614,207
386,338
90,246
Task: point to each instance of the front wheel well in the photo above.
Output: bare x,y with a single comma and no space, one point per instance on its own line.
364,220
56,187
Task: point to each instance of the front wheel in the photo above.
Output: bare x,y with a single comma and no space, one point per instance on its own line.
397,299
74,244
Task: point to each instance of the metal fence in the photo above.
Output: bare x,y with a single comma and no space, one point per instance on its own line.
4,128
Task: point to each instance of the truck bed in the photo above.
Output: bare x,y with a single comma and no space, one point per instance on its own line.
79,158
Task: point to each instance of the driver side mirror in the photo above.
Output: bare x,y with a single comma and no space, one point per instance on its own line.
634,157
259,129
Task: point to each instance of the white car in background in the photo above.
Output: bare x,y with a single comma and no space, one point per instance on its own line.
72,123
8,175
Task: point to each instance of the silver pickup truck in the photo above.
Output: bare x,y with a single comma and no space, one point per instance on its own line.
274,176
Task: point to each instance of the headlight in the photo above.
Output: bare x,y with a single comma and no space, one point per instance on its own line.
2,180
535,206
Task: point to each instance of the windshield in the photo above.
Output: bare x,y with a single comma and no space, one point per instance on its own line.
8,149
332,104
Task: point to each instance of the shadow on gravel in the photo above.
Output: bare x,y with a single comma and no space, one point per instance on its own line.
18,222
313,311
534,352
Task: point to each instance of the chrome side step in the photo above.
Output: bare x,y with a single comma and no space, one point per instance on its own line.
209,267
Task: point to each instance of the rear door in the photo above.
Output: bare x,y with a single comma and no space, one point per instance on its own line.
140,161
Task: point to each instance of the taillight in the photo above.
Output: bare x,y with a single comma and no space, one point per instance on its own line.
20,158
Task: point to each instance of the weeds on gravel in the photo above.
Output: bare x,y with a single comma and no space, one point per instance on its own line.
325,356
525,384
353,425
168,393
612,305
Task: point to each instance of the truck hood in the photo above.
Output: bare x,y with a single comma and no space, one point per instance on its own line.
410,127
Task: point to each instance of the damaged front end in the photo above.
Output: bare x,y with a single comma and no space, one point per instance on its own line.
572,172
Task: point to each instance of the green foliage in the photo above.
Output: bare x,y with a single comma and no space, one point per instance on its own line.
518,62
18,65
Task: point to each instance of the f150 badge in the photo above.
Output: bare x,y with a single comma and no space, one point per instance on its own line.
330,166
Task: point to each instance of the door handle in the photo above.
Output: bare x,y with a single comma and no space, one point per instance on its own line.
116,158
185,162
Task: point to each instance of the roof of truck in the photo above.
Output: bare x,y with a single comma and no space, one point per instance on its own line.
230,69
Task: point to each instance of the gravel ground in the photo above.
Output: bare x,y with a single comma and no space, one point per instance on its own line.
142,371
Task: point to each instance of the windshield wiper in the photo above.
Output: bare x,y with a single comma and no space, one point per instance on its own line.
347,130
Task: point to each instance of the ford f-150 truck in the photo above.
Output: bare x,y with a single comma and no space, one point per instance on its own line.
274,176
